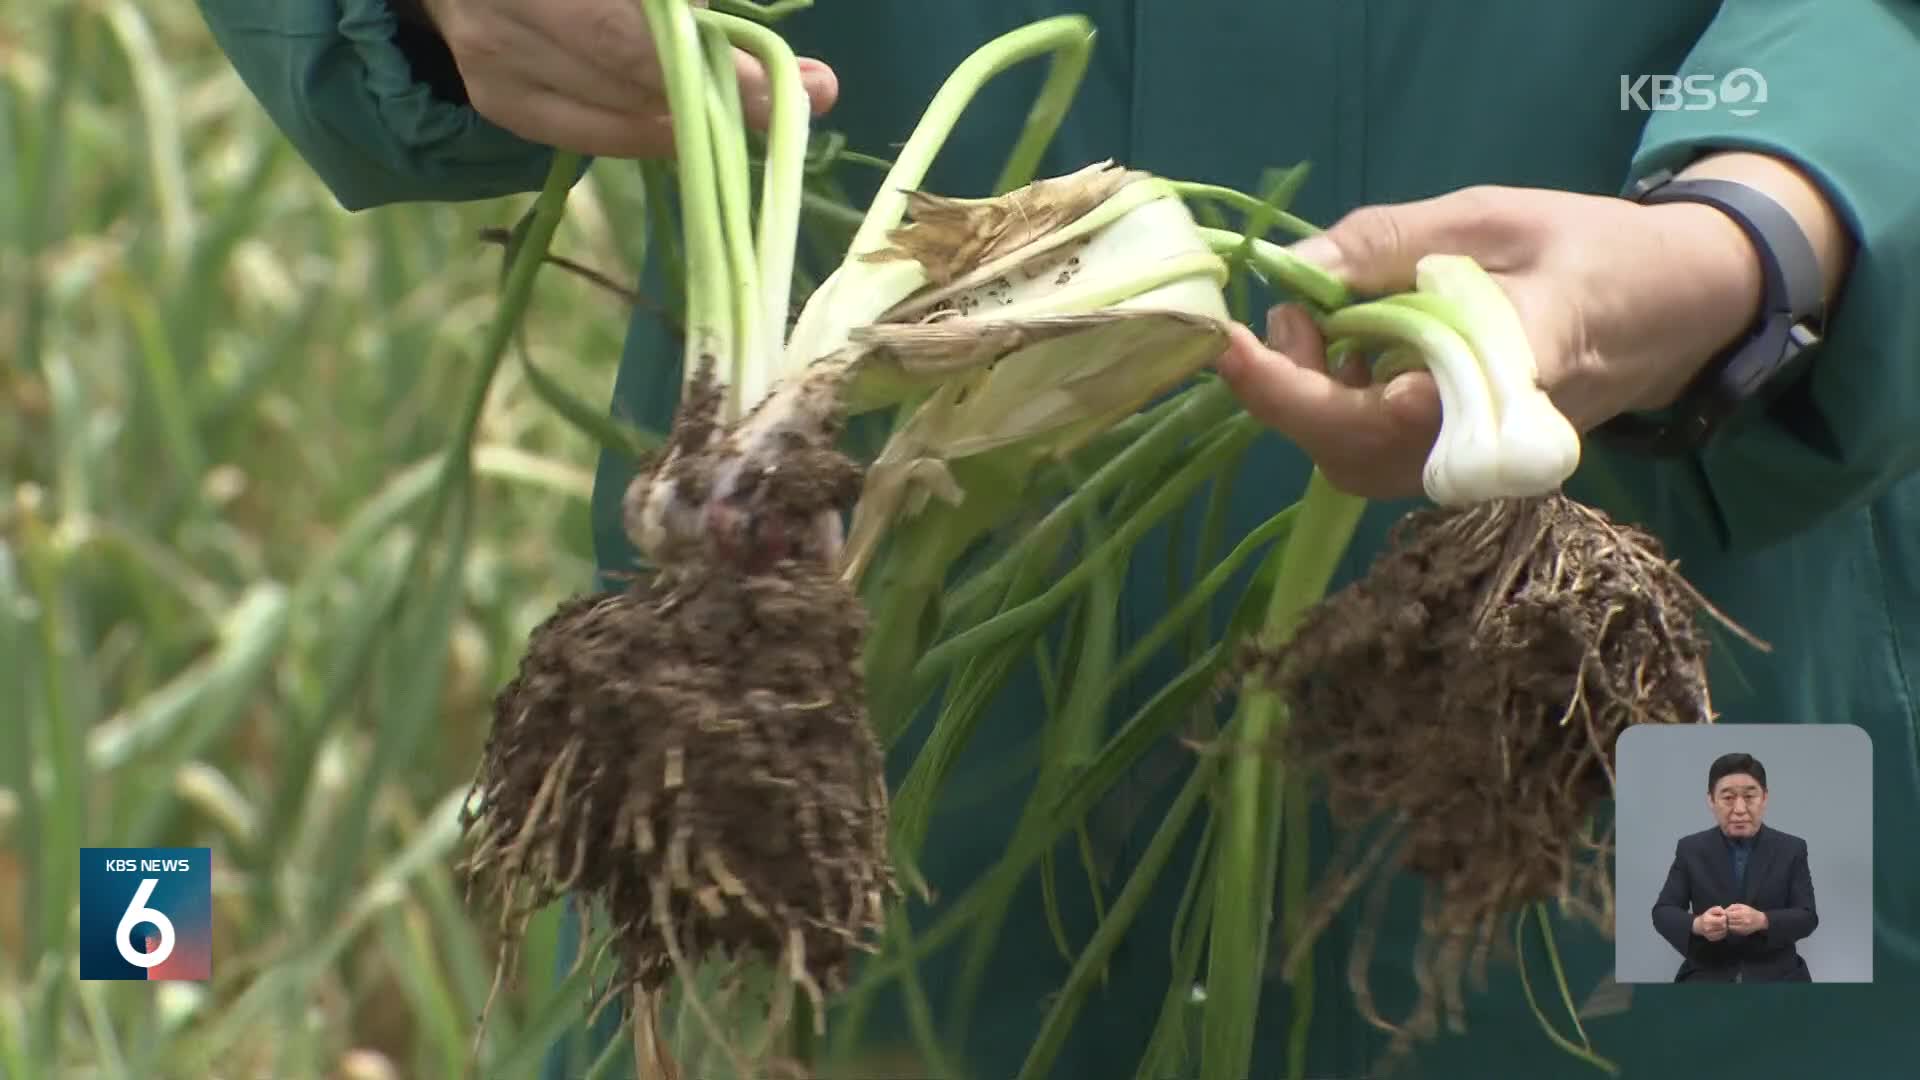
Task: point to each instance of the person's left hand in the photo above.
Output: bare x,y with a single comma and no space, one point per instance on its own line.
1622,303
1743,920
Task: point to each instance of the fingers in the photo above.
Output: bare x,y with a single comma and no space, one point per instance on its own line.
1369,440
1374,249
823,85
610,39
519,78
1352,368
557,119
819,82
1714,923
585,75
1718,921
1291,331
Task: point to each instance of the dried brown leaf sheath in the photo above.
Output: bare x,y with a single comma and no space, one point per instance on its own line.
950,237
1113,344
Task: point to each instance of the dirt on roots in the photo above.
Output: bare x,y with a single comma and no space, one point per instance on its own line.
1462,702
691,755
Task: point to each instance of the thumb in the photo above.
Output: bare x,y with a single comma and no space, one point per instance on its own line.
822,83
1374,249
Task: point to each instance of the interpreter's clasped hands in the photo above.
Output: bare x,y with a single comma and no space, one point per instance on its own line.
1717,922
1744,920
1711,923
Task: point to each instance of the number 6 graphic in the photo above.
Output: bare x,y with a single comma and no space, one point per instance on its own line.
138,912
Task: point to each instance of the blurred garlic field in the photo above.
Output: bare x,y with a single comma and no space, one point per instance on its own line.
221,398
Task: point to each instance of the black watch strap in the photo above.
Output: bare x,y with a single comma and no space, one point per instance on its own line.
1773,351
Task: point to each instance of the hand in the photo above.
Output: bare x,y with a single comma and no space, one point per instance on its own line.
1711,923
1622,303
1744,920
582,75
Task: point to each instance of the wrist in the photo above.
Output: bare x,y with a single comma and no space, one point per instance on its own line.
1716,252
1711,284
1803,199
1712,278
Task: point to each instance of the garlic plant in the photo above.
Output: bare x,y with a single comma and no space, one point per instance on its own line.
1037,317
1501,436
1012,330
1074,328
1538,449
1034,318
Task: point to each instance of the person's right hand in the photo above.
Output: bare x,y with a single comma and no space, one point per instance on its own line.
1711,923
582,75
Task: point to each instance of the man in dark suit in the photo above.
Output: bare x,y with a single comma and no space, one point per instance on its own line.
1740,894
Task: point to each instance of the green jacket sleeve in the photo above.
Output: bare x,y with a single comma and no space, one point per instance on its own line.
1840,81
334,78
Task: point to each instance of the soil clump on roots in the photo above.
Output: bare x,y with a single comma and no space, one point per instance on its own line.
1462,702
691,756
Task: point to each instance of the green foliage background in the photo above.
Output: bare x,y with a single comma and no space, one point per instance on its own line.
221,400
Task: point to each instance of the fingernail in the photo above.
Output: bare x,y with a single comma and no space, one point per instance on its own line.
1280,335
1233,359
820,81
1319,251
1397,387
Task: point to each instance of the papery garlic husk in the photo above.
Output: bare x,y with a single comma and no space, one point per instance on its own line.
1058,382
1040,318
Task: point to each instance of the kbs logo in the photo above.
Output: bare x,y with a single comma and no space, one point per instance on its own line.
146,913
1740,92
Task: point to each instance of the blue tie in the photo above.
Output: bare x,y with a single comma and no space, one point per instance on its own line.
1740,852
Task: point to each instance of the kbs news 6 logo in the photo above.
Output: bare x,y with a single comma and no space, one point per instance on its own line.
146,913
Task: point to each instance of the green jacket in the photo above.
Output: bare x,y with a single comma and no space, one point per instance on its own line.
1807,533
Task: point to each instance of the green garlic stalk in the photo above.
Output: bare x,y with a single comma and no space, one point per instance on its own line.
1500,435
1035,318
